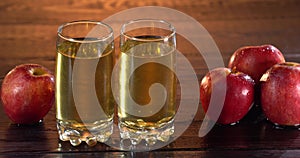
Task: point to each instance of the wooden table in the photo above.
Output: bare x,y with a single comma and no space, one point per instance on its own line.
28,31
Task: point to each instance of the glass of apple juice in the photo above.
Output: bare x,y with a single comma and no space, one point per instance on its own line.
84,64
146,82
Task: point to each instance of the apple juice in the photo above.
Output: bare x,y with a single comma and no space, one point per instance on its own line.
84,100
158,66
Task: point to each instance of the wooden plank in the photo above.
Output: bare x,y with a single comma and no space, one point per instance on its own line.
175,154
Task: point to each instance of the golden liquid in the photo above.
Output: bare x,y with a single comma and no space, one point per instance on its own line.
83,84
142,78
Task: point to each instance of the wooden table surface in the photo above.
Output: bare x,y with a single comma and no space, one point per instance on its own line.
28,31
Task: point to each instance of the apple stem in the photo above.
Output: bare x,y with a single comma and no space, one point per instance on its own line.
38,72
233,70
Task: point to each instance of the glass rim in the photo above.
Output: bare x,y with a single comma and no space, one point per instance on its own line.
71,39
169,26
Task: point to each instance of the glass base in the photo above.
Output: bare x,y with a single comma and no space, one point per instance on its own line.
99,131
150,136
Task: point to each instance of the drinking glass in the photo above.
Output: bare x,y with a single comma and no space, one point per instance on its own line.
146,86
84,64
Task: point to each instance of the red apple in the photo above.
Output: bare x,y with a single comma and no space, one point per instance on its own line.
28,93
255,60
280,94
239,93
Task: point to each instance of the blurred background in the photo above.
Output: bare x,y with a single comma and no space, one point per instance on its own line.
28,28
